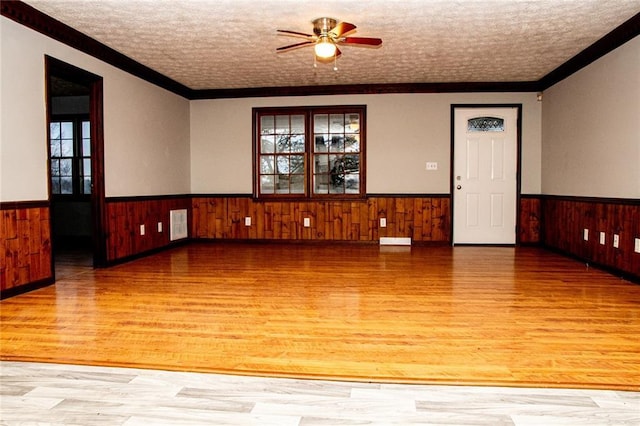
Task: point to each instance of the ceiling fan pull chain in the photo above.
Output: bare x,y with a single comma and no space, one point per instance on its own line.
335,62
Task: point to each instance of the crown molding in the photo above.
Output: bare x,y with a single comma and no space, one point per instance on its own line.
614,39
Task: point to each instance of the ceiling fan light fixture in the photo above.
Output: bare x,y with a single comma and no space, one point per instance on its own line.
325,48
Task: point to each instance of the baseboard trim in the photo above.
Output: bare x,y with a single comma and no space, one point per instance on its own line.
26,288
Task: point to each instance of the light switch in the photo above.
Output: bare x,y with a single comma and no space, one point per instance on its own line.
247,221
141,229
383,222
616,240
307,222
585,234
602,238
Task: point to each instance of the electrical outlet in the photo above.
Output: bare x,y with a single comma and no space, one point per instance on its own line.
616,240
432,165
637,245
247,221
307,222
141,229
383,222
603,238
159,226
585,234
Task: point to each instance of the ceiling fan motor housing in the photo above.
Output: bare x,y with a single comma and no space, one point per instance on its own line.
323,25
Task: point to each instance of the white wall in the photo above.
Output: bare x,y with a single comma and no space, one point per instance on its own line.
591,129
146,128
404,131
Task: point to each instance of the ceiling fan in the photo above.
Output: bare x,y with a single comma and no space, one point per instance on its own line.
327,35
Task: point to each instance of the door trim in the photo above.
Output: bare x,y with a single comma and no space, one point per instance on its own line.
94,82
518,160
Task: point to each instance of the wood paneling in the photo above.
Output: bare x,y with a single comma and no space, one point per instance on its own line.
529,220
124,217
564,221
25,246
420,218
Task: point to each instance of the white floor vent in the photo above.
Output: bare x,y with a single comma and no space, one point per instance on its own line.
178,224
391,241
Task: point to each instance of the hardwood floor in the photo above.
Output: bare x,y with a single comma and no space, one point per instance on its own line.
55,394
464,315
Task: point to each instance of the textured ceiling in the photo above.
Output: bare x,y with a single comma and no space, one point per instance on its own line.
222,44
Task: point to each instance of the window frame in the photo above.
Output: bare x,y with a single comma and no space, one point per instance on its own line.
77,159
308,112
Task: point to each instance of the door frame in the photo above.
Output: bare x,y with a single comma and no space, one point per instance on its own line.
56,67
518,160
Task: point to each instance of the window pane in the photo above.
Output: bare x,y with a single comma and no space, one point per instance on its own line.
86,129
267,125
67,147
284,144
55,148
55,185
54,128
86,147
321,143
337,171
297,143
337,144
282,124
321,184
282,184
297,124
66,167
86,166
296,164
352,163
352,143
353,123
55,167
336,123
66,185
267,164
352,183
267,184
321,163
297,184
321,123
283,164
66,130
267,144
336,189
87,186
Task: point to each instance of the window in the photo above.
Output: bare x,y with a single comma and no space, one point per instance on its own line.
309,152
70,149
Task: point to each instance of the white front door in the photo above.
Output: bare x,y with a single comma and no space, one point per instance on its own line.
485,175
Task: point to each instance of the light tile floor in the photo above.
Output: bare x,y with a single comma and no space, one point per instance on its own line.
43,394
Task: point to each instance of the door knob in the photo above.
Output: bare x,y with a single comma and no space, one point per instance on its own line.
459,187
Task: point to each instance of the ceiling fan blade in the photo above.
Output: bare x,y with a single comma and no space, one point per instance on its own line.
369,41
342,28
295,33
293,46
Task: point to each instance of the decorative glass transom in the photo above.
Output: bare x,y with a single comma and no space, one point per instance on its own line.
485,124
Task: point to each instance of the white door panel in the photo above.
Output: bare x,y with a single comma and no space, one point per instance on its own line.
485,175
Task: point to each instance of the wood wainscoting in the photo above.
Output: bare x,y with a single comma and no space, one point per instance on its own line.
25,246
125,215
529,220
565,219
423,218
